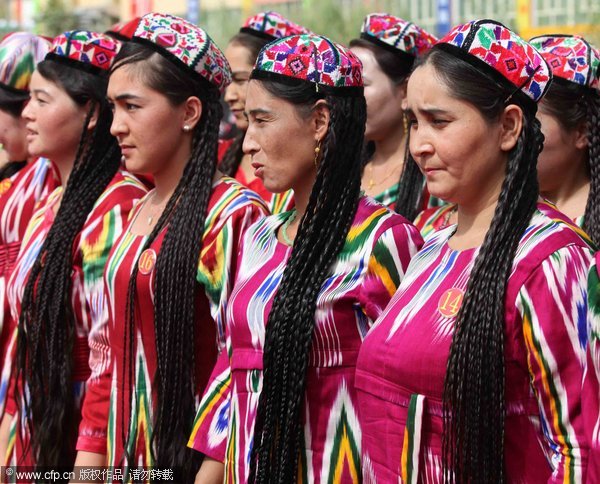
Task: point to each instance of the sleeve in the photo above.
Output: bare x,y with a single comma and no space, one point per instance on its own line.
96,247
209,433
552,305
389,259
8,349
591,380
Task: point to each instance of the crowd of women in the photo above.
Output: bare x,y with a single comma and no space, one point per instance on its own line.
387,275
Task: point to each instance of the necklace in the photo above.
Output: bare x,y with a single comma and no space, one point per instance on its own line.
285,227
372,183
150,218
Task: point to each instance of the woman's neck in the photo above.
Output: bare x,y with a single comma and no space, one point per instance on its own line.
571,194
390,149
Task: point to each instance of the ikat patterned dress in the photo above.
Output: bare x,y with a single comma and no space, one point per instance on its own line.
19,197
90,250
591,384
402,363
232,208
366,274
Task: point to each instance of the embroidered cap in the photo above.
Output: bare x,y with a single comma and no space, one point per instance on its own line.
311,58
271,26
397,35
571,58
20,53
489,43
186,44
123,31
90,51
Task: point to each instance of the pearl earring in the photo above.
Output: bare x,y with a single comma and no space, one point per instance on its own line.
187,128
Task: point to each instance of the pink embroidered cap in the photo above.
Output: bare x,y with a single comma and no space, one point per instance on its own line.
571,58
187,44
314,59
491,45
271,26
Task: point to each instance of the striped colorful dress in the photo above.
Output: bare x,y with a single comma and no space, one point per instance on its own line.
276,202
232,208
402,363
377,251
19,197
433,219
591,383
90,250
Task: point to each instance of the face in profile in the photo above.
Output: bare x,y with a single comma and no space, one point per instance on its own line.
281,140
238,57
13,136
53,120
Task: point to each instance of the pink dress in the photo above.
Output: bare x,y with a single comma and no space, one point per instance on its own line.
231,209
402,363
378,249
90,250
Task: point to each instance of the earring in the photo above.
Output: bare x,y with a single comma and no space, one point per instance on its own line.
317,152
405,122
187,128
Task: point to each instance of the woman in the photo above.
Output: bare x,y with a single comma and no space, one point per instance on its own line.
387,48
473,373
22,186
570,115
168,276
55,291
241,53
310,281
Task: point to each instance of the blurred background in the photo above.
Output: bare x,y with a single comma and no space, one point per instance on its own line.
338,19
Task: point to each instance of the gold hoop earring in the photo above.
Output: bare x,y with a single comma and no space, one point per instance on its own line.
317,153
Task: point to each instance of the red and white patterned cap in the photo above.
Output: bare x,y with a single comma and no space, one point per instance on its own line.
83,49
311,58
271,26
571,58
187,44
123,31
396,34
489,43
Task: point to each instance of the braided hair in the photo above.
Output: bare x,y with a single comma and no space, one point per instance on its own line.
233,156
398,71
47,324
571,105
321,235
474,389
175,288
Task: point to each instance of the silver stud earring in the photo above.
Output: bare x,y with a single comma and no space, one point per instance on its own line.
187,128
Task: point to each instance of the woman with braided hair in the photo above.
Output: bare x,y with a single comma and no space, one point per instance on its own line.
387,48
280,405
168,277
569,164
242,51
473,373
55,291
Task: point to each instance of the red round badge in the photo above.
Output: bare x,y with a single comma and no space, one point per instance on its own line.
450,302
147,261
5,185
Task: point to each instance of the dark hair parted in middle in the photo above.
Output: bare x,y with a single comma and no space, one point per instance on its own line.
176,264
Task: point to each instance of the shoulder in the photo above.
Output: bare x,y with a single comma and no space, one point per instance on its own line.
229,196
123,189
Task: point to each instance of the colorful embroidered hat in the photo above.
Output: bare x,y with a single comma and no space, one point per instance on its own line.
571,58
489,44
20,53
397,35
311,58
82,49
185,44
271,26
123,31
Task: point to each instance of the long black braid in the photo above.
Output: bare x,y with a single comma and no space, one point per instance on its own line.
176,289
321,235
47,323
474,390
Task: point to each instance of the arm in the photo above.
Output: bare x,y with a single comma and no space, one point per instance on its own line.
552,306
211,472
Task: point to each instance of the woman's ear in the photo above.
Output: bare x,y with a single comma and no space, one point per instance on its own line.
192,112
94,119
320,119
512,124
581,136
